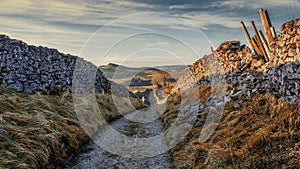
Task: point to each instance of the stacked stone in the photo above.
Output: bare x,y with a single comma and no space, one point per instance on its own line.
280,81
247,74
29,68
284,81
206,66
199,69
234,56
286,46
186,81
229,56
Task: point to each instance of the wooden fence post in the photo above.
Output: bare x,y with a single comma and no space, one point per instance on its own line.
265,44
259,42
266,24
247,35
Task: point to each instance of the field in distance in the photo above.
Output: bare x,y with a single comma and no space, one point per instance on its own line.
139,79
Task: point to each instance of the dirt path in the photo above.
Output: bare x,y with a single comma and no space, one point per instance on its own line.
139,124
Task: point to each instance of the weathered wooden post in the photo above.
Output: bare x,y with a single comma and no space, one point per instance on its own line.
267,25
273,32
255,47
265,44
212,49
262,36
247,35
259,42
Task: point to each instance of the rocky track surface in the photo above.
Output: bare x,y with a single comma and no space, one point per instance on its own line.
97,157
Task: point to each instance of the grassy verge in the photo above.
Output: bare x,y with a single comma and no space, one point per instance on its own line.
262,132
42,131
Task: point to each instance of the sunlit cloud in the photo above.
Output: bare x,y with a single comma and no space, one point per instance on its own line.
68,24
253,3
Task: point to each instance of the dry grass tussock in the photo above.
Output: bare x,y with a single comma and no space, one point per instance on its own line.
262,132
42,131
187,97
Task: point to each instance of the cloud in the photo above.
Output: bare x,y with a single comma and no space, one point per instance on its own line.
67,24
184,6
254,4
51,22
204,19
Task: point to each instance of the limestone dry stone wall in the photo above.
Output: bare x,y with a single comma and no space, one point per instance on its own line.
281,81
247,73
28,68
234,56
206,66
285,48
229,56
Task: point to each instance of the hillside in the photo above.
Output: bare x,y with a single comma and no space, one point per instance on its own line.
42,131
110,68
38,123
251,105
142,76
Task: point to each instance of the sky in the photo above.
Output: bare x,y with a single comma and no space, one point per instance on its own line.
137,32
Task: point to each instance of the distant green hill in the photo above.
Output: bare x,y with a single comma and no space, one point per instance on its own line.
117,72
121,74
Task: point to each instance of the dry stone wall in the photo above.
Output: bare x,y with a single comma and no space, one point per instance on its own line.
246,73
281,81
229,56
285,48
206,66
28,68
234,56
